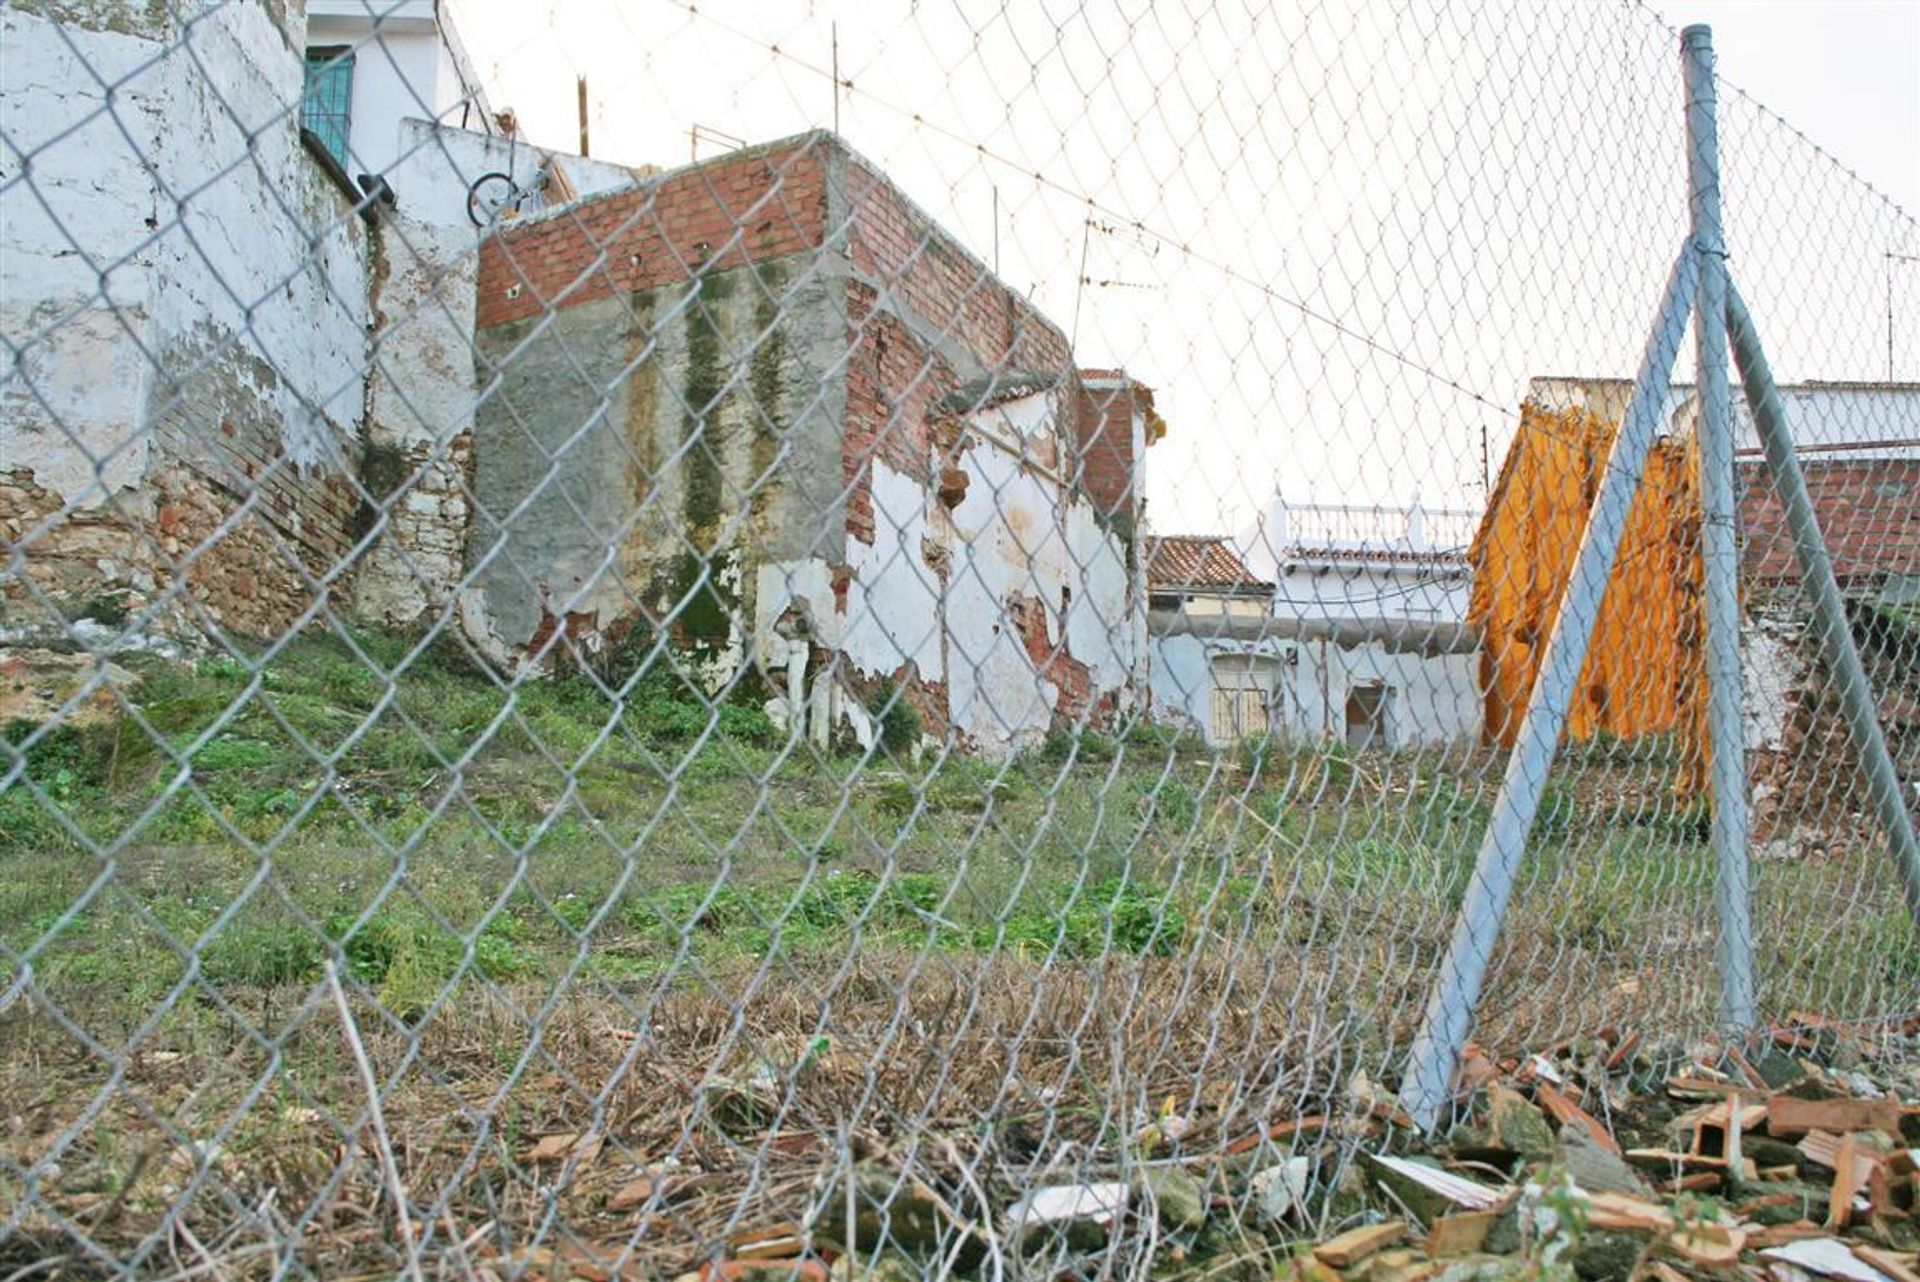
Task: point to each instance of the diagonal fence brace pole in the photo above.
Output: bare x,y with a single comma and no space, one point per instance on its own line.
1834,635
1449,1016
1719,544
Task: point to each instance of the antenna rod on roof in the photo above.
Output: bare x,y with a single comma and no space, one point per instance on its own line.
1893,260
580,83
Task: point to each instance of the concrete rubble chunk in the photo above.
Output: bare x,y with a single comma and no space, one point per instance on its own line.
1463,1233
1098,1204
887,1211
1179,1198
1356,1245
1518,1125
1604,1256
1593,1166
1430,1191
1279,1190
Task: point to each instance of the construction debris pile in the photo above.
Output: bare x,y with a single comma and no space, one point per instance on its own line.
1783,1158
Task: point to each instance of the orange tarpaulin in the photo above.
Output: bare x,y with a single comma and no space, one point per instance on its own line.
1645,671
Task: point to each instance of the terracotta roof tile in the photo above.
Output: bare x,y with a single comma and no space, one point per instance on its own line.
1197,561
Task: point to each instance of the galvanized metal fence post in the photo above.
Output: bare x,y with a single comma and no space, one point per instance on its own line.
1719,546
1835,636
1449,1014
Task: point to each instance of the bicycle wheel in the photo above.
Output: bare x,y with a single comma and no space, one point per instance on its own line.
488,196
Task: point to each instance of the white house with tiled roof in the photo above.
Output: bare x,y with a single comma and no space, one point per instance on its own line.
1325,624
1212,666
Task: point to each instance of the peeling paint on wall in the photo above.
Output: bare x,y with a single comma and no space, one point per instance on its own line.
1645,666
192,365
415,466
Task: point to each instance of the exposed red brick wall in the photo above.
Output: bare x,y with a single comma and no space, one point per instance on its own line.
239,565
243,566
892,385
923,268
904,262
749,207
1028,618
312,507
1106,448
221,501
1869,510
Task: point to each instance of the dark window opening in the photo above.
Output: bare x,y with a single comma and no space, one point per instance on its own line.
1368,711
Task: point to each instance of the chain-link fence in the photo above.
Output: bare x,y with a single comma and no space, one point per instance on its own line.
859,631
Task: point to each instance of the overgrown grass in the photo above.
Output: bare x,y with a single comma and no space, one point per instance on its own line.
427,824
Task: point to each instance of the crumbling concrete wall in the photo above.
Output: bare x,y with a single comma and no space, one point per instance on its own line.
1797,736
416,463
1035,611
636,454
177,429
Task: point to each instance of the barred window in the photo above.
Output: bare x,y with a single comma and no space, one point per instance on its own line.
327,100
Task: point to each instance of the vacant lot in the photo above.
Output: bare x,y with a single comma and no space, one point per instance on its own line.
597,904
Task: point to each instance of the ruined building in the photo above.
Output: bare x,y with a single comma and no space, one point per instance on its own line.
1645,673
761,412
765,407
237,288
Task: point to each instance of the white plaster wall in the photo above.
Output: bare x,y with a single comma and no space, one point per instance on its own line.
1376,590
186,226
420,399
1819,416
423,358
1018,533
1105,628
405,68
265,258
1181,683
893,601
1436,700
75,258
396,74
893,610
1005,539
805,587
436,163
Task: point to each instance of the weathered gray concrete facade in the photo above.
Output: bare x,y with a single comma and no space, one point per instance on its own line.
635,451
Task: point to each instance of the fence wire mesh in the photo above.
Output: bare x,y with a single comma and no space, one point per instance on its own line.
929,632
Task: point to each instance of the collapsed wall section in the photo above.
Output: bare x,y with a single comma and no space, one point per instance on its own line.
980,579
1867,503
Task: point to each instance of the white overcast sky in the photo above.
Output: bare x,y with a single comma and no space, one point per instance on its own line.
1363,225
